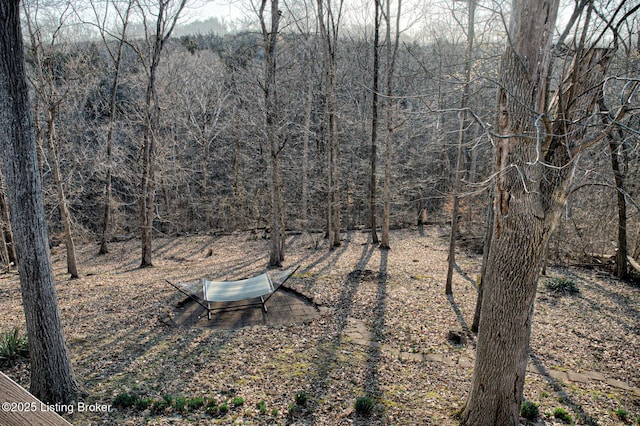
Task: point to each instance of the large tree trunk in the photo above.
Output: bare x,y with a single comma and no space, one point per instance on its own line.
534,163
52,379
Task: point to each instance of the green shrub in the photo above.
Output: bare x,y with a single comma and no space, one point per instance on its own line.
223,408
262,407
529,410
622,415
195,402
180,403
301,398
275,412
562,415
212,407
237,401
13,346
125,400
562,285
364,406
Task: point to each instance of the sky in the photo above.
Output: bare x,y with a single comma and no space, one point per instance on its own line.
226,9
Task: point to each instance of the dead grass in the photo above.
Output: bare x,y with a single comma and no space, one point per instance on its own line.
117,343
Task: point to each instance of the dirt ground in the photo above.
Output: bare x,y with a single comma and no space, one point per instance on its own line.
381,330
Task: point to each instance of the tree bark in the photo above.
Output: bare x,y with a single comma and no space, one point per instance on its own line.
52,378
534,161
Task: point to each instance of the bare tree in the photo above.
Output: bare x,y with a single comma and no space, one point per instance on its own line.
534,158
52,378
166,13
123,13
373,190
457,178
269,87
329,24
51,90
392,45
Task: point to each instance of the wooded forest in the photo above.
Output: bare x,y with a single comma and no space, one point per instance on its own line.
405,140
514,124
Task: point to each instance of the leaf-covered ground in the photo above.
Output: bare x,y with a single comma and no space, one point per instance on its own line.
587,344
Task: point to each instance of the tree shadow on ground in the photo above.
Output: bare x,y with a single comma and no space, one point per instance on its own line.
330,256
562,395
328,345
372,383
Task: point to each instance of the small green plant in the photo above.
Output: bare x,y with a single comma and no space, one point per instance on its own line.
364,406
529,410
237,401
212,407
275,412
562,285
125,400
262,407
301,398
223,408
180,403
622,415
562,415
291,409
195,402
13,346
